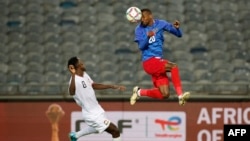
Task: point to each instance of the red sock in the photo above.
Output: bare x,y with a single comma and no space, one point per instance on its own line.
176,80
153,93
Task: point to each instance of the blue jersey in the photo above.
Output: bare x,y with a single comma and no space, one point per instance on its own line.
153,46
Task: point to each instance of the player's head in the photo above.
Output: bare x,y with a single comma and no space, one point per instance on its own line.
147,17
77,63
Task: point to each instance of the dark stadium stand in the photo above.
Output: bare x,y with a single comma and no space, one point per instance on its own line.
38,37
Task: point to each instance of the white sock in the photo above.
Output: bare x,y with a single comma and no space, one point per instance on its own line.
86,131
139,92
180,96
117,139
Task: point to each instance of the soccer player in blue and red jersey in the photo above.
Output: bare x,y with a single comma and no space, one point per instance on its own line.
149,36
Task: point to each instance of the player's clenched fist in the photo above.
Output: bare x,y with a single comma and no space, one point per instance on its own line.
151,33
176,24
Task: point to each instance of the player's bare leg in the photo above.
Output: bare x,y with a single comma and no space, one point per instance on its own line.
173,68
114,131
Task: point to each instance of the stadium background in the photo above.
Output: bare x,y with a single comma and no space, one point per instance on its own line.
38,37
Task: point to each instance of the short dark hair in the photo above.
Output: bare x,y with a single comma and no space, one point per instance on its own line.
73,61
146,10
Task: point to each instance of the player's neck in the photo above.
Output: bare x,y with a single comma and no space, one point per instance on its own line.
79,73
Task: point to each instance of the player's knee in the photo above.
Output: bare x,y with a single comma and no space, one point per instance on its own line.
174,66
165,95
164,92
169,67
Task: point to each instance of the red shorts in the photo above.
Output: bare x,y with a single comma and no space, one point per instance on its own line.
156,68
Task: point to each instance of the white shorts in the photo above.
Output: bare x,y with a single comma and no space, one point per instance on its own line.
100,123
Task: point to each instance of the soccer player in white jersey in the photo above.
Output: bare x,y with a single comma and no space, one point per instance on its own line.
82,87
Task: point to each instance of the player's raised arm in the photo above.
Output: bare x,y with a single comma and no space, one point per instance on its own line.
72,86
174,28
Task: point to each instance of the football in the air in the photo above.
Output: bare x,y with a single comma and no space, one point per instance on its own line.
133,14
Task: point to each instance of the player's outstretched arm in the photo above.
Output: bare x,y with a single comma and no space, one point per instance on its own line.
99,86
174,28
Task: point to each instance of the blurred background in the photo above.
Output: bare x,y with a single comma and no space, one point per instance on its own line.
39,36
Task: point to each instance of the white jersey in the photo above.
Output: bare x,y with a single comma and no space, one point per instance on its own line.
85,97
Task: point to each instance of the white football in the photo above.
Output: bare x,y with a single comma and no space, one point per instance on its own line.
133,14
